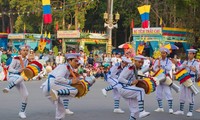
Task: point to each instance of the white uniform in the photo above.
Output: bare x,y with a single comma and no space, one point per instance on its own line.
112,77
59,80
132,94
16,80
185,93
166,65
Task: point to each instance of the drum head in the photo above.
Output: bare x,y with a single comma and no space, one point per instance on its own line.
142,84
28,73
81,89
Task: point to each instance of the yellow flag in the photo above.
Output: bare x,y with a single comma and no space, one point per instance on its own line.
24,28
49,35
161,21
45,34
140,49
42,44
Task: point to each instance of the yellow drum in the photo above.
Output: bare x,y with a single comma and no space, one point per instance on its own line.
82,88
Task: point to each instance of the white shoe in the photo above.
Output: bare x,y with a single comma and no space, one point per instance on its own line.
159,110
178,112
22,115
189,114
144,114
118,111
171,111
54,95
67,111
104,92
6,90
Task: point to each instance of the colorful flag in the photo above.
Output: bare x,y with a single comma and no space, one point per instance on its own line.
47,16
41,44
144,13
140,49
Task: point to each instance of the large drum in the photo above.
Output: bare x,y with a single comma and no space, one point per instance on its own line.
82,88
184,78
33,69
148,84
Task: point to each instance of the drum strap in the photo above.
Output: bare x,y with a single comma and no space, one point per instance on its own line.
71,72
191,65
21,62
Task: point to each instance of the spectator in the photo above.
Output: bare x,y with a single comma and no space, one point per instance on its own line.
113,59
1,51
59,59
90,60
98,60
4,56
9,55
51,57
14,53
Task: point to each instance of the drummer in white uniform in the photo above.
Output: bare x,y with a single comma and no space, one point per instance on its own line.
186,94
58,87
112,77
133,95
16,80
165,64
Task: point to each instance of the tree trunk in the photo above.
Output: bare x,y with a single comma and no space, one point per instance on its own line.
157,19
125,35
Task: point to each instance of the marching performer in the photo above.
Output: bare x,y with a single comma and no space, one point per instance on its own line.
192,66
57,87
165,64
112,77
127,89
16,80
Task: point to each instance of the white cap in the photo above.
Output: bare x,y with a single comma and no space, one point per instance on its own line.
139,57
50,51
125,59
59,52
165,50
192,50
72,55
24,46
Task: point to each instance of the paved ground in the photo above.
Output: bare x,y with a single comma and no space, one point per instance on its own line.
94,106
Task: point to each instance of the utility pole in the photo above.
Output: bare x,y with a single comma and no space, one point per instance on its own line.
63,40
110,23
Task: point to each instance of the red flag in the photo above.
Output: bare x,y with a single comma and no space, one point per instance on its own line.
8,29
132,24
57,27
